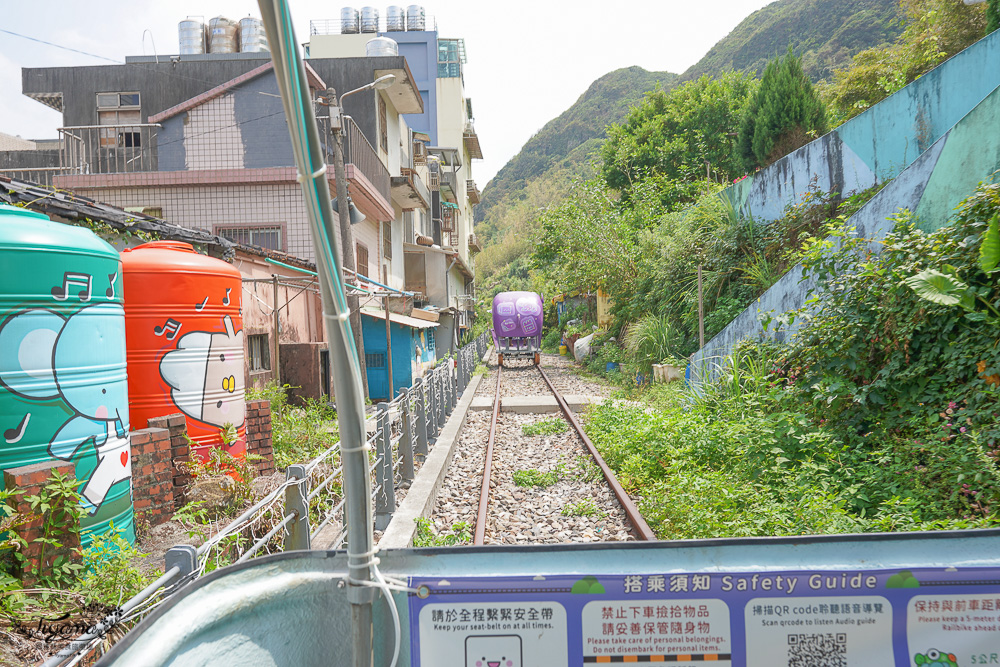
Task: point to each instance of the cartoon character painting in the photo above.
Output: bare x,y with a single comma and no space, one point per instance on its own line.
79,359
935,658
493,651
205,375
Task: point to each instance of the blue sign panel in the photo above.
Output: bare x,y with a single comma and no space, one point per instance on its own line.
943,617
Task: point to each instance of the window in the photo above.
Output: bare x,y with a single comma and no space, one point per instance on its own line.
430,339
387,240
262,237
451,55
119,109
260,352
362,259
408,235
374,360
383,125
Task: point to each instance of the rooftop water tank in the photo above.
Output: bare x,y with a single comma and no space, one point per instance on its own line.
416,18
369,19
381,46
185,342
395,19
222,34
192,37
63,382
350,21
252,36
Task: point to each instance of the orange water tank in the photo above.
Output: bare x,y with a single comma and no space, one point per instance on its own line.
184,341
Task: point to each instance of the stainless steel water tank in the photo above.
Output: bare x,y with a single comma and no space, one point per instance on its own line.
350,21
416,18
395,19
222,35
369,19
252,35
192,37
381,46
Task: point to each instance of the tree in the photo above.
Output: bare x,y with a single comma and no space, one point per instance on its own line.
992,16
784,114
671,135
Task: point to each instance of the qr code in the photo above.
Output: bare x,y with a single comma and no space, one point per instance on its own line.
819,650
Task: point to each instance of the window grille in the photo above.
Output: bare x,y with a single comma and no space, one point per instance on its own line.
262,237
260,352
374,360
387,240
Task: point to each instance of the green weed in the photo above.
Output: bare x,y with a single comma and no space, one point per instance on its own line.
546,427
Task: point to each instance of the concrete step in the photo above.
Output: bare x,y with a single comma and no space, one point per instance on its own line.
536,404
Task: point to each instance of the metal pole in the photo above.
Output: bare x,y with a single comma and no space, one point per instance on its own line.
421,444
701,313
297,537
346,356
346,233
388,347
276,365
406,440
385,499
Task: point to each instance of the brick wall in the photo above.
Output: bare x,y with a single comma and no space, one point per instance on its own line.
180,451
152,476
29,480
259,435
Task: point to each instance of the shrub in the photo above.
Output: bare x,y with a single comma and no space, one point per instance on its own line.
784,114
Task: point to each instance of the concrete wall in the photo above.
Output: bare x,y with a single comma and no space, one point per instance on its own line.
160,85
878,144
931,187
420,50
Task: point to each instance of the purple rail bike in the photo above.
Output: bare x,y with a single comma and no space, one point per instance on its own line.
517,325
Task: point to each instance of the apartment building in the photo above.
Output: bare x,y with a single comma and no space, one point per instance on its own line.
439,248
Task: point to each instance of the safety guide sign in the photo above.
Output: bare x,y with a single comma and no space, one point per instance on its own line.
875,618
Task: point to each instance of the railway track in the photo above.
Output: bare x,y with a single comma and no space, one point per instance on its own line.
578,498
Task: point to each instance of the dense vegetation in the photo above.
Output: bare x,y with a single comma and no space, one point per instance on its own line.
881,414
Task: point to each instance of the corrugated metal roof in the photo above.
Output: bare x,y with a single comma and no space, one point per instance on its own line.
403,320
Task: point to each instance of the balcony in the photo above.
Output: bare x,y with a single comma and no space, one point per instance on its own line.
449,186
108,149
149,155
471,191
471,141
409,191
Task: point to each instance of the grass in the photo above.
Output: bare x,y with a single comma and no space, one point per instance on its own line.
460,533
585,507
546,427
532,477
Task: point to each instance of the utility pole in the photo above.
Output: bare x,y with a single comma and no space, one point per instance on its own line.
346,233
701,313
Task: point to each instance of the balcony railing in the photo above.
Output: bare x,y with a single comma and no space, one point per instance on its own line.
357,151
108,149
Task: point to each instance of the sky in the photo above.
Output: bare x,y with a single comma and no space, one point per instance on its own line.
528,61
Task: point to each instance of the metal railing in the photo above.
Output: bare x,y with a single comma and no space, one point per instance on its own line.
357,151
336,26
109,149
39,175
400,435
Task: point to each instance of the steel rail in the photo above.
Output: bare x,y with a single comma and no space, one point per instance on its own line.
484,492
638,523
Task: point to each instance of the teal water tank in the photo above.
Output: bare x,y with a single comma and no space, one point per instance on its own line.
63,381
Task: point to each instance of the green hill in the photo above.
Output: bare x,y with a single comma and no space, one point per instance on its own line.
826,33
561,151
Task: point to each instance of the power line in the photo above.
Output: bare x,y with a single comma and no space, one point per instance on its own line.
59,46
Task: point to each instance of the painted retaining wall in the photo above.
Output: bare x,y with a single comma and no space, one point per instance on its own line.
880,143
931,187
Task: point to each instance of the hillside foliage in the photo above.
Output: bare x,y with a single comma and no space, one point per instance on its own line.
825,33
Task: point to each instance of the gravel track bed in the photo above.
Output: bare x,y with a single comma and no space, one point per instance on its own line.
579,507
521,379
